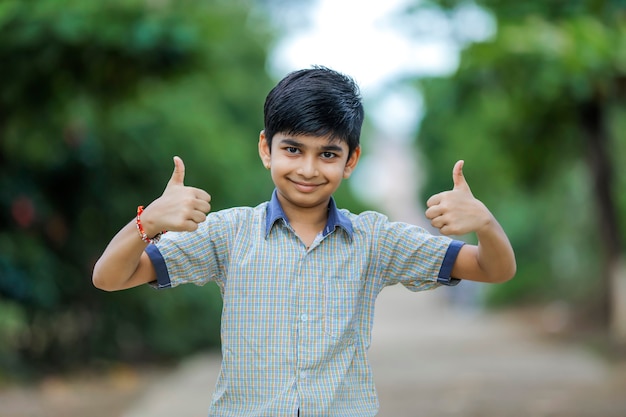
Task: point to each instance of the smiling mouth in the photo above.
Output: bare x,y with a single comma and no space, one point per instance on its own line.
305,187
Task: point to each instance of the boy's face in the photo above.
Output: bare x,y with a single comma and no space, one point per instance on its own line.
305,169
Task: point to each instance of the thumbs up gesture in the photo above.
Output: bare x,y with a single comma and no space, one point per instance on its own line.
180,208
457,212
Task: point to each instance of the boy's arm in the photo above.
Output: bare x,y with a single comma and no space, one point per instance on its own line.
124,263
457,212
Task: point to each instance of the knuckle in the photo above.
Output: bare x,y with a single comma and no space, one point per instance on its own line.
186,212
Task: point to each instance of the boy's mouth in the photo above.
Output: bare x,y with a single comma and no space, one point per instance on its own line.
305,187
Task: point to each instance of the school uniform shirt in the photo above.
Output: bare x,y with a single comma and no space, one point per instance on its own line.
296,322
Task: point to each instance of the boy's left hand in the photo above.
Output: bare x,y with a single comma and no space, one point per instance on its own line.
457,212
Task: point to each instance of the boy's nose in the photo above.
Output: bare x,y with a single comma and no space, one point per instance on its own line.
308,169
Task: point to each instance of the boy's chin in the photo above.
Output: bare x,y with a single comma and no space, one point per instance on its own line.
306,200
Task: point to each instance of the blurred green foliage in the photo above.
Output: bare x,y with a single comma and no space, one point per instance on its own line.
537,111
96,98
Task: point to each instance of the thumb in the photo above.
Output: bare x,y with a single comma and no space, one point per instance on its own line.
458,178
178,176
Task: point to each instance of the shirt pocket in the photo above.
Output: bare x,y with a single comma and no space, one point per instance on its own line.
340,305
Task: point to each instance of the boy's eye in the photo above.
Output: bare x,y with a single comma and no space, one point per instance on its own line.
328,155
291,149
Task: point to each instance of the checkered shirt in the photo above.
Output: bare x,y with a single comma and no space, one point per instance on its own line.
296,322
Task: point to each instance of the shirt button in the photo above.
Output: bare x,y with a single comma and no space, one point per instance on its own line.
304,374
304,317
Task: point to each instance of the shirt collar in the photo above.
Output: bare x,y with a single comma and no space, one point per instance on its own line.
335,217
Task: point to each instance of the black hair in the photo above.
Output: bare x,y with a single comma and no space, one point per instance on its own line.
317,101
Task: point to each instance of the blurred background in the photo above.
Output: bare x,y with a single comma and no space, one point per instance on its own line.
96,98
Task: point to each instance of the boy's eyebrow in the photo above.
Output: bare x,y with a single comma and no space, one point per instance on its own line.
298,144
291,142
334,148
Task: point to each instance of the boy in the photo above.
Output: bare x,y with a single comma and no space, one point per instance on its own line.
298,276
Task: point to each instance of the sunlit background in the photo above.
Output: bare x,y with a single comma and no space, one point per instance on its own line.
97,97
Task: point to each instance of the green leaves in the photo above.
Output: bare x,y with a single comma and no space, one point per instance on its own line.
518,111
96,98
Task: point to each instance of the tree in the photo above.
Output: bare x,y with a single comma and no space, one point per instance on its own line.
537,110
96,98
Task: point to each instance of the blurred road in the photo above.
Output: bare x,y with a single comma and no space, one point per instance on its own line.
435,360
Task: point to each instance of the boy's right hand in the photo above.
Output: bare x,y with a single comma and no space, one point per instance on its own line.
180,208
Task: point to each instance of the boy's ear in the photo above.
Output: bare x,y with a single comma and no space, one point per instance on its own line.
352,162
264,150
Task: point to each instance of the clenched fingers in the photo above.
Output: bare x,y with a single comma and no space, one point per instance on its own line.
434,212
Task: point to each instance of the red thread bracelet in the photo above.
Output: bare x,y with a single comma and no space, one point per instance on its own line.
142,233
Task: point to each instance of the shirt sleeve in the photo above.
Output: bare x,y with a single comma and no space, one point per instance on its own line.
194,257
163,277
412,256
445,272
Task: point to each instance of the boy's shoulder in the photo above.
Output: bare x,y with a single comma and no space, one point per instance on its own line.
371,222
366,219
235,220
241,212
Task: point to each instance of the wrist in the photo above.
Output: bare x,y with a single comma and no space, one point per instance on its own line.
144,229
486,221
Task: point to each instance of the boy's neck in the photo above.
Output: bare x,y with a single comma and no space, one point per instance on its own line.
308,218
308,223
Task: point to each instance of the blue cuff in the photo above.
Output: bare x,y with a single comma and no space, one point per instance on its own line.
163,277
445,272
